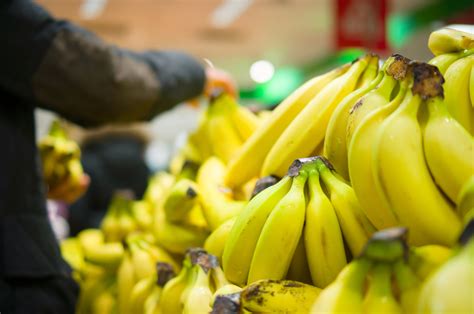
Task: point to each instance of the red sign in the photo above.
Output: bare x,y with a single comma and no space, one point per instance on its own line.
361,23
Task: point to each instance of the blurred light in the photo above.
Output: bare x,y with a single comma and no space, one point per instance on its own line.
228,12
208,62
91,9
262,71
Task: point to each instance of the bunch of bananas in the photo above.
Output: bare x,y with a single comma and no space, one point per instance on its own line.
223,128
61,159
389,277
291,222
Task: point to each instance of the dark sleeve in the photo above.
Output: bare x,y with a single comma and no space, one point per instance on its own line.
71,71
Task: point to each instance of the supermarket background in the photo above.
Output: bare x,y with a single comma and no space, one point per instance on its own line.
269,46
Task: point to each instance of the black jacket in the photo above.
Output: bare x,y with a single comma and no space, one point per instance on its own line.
52,64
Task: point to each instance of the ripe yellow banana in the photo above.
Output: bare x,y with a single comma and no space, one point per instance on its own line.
335,145
199,138
247,164
280,234
379,297
141,212
346,293
325,259
399,165
125,281
299,268
199,295
95,251
449,289
217,201
157,188
170,301
465,200
180,200
243,237
449,40
356,227
308,128
245,121
424,260
443,61
279,296
216,241
449,149
373,203
456,92
140,292
71,251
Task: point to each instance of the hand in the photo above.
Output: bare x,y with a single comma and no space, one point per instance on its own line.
217,78
68,192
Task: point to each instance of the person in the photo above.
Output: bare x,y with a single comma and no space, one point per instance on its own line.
56,65
113,157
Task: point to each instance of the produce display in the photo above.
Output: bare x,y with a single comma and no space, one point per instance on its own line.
355,194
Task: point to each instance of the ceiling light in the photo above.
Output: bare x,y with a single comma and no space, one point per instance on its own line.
262,71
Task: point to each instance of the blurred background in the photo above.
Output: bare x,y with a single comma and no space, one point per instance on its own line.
269,46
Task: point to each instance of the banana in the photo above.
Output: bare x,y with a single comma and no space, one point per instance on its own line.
379,297
199,137
396,69
335,146
220,296
180,200
346,293
199,295
449,149
157,188
449,289
465,200
373,203
245,121
280,234
216,241
71,251
247,164
126,279
471,85
110,225
325,259
424,260
443,61
299,268
142,214
217,201
404,178
282,296
105,301
151,305
243,237
139,294
97,252
90,291
355,226
222,133
409,286
456,91
449,40
308,128
171,294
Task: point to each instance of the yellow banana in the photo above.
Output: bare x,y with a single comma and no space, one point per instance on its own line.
142,215
456,92
379,297
157,188
247,164
425,259
449,289
199,137
346,293
308,128
97,252
335,145
140,292
400,168
299,268
443,61
217,201
170,301
373,203
465,200
325,260
356,227
449,149
449,40
71,251
243,237
245,121
199,295
279,296
180,200
280,234
125,281
216,241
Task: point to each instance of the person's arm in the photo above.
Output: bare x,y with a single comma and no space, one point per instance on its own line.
64,68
